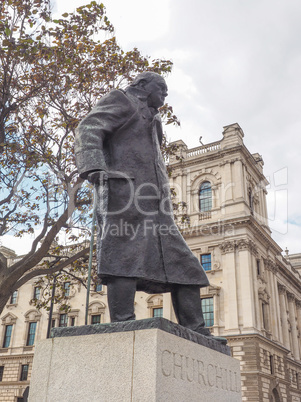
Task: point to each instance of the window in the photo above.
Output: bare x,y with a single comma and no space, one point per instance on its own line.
205,197
13,298
95,319
31,333
37,293
7,335
272,364
250,200
67,289
207,307
98,287
24,372
96,309
52,323
258,266
158,312
206,261
63,320
1,372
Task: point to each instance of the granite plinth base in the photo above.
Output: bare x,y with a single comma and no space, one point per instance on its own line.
148,365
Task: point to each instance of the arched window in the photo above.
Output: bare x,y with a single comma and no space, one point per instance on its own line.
155,305
205,197
275,396
96,312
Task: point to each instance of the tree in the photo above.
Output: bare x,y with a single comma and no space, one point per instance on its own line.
52,73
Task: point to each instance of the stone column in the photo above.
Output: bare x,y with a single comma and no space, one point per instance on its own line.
283,311
265,207
215,293
183,184
214,189
273,306
256,298
246,285
188,192
216,309
298,306
238,179
230,287
168,312
244,171
261,207
228,183
194,201
292,315
276,306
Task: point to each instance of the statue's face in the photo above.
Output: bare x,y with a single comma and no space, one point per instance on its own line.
157,89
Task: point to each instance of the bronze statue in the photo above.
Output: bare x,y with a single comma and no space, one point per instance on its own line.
139,246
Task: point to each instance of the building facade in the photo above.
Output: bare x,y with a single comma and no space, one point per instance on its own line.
254,297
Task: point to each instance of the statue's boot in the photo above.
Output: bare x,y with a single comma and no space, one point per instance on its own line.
121,295
187,305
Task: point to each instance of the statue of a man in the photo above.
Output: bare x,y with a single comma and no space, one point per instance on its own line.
139,245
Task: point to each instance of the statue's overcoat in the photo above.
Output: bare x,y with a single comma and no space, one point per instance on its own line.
140,238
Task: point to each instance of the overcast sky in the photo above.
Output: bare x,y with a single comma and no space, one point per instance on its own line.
235,61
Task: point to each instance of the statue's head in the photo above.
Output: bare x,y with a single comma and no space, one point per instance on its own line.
154,84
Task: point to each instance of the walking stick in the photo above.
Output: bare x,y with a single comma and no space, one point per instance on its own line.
91,255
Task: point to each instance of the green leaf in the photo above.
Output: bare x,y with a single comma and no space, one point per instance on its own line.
7,31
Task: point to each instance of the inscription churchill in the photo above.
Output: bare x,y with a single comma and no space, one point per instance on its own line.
186,368
117,148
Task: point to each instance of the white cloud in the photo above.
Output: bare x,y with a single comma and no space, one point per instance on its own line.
235,61
20,245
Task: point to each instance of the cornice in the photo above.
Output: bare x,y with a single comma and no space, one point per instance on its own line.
260,337
26,356
222,153
289,276
264,239
249,221
293,362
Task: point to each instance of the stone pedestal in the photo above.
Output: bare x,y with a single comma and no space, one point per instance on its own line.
149,360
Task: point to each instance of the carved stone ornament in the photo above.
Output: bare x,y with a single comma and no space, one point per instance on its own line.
246,244
263,295
291,297
32,315
282,289
9,319
298,304
155,300
96,307
270,265
216,265
227,247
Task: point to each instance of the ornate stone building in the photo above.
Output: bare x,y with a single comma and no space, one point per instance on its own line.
254,297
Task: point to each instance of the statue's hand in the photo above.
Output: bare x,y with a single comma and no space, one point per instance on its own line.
97,177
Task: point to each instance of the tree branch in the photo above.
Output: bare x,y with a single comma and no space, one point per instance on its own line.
48,271
34,257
